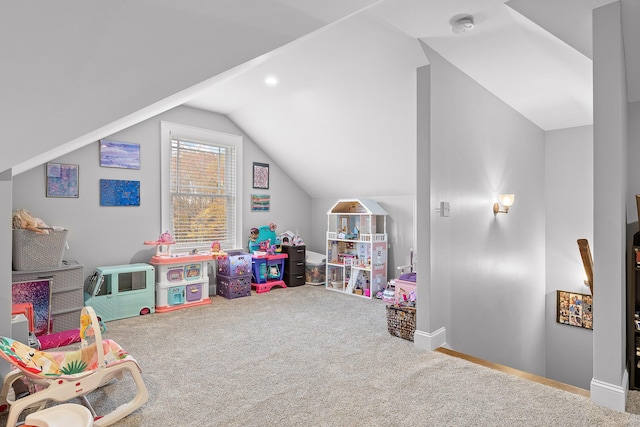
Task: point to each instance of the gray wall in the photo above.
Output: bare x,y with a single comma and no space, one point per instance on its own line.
610,139
489,270
569,217
101,236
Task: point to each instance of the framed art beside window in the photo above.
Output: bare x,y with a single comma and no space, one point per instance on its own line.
261,175
260,202
124,155
62,180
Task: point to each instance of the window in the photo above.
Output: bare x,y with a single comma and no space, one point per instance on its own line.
201,184
133,281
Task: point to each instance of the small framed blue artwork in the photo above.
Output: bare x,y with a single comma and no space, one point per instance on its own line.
114,154
115,192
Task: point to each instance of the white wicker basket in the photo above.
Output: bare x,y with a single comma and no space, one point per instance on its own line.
37,251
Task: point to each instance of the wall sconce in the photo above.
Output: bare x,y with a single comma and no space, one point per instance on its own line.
506,200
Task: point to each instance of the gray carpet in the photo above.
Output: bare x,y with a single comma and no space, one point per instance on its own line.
307,356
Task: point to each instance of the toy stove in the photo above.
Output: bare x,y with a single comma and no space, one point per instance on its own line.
181,281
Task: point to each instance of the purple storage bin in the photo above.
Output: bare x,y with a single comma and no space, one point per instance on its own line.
236,264
233,287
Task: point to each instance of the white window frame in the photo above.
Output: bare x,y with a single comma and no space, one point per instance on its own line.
170,130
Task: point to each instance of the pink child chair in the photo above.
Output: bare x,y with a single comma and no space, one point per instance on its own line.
62,376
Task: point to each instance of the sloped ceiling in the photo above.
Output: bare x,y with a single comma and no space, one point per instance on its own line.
347,92
342,119
76,71
346,70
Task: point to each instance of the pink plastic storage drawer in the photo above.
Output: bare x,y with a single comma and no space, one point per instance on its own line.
236,264
233,287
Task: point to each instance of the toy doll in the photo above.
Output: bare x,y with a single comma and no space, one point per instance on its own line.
274,272
23,219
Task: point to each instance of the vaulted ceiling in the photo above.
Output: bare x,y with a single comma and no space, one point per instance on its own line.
345,70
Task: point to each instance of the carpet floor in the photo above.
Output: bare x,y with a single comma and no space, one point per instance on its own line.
307,356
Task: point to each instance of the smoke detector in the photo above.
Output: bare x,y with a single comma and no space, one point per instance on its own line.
463,25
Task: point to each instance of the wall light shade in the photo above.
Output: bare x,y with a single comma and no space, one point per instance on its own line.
506,201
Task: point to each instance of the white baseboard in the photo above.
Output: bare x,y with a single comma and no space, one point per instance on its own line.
610,395
430,341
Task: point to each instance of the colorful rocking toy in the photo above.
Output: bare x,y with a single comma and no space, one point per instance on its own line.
62,376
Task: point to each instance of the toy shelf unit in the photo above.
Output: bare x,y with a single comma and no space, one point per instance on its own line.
120,291
181,281
267,272
356,261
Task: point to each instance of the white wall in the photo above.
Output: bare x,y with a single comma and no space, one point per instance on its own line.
488,270
569,217
101,236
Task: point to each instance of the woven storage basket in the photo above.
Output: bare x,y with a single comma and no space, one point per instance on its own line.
36,251
401,321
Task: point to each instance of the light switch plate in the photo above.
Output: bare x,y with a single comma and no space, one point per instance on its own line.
445,209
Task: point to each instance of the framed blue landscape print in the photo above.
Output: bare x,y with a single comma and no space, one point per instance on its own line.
124,155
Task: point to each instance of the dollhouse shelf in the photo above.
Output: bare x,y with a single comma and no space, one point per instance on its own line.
356,247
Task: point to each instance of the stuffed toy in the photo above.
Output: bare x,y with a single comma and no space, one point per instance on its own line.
23,219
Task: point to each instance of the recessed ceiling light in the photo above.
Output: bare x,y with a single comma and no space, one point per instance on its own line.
271,81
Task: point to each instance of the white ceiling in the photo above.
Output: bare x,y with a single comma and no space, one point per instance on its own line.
346,70
83,71
346,92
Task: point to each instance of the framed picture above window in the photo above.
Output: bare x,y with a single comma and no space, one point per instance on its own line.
261,175
62,180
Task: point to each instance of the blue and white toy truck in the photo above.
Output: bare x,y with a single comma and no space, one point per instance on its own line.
120,291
